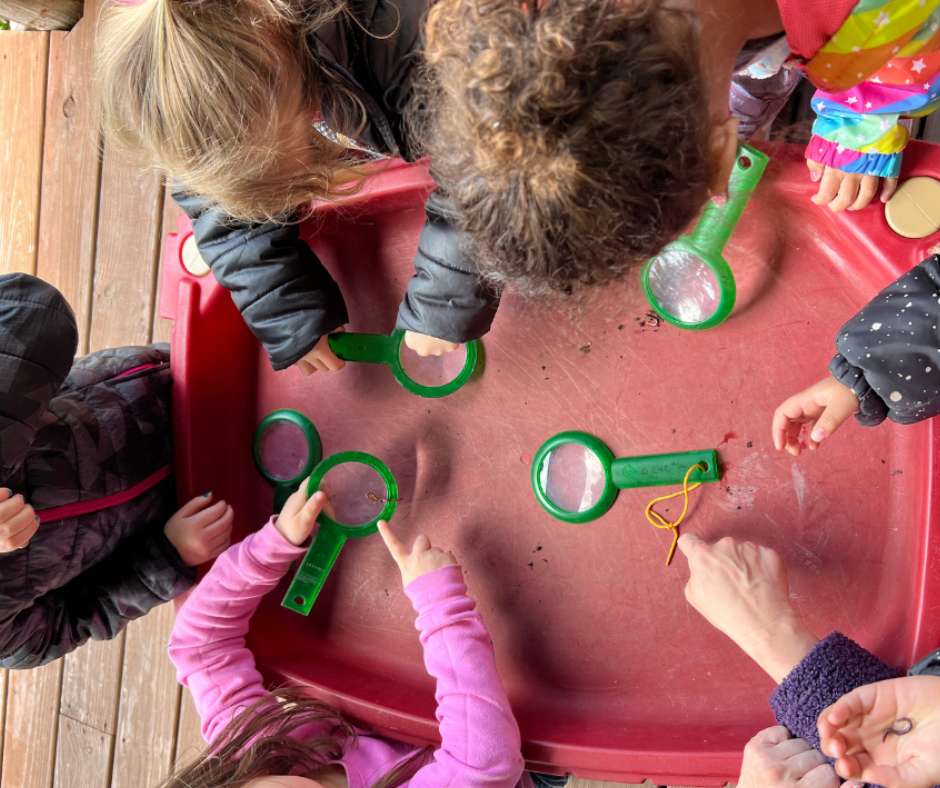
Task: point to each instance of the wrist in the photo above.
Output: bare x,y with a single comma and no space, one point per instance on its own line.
780,648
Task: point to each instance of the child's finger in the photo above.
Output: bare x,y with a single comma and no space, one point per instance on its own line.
296,500
305,367
194,505
688,545
222,523
208,515
421,545
23,519
888,188
314,505
848,192
5,494
832,418
816,170
20,535
11,507
866,192
828,186
396,548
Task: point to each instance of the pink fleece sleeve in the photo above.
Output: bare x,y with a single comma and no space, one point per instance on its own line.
207,645
480,743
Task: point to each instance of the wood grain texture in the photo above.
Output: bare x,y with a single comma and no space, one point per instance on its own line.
189,741
147,723
79,756
129,230
23,63
43,15
70,173
30,729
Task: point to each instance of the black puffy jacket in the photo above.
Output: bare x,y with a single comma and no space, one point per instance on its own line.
889,353
284,293
89,446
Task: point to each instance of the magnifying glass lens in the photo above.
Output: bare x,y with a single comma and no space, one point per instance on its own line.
684,285
283,450
432,370
572,477
357,493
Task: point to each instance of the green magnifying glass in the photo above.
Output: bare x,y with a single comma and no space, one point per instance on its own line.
434,376
576,477
286,447
689,283
362,491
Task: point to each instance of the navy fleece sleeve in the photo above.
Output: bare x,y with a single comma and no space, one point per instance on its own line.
889,353
835,666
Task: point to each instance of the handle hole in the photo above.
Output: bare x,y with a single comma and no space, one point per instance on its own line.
744,162
299,600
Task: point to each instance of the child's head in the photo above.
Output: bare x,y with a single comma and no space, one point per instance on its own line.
574,138
220,95
293,736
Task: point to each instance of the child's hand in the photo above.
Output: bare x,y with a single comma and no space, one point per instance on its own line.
424,345
865,732
741,589
419,559
18,521
772,759
200,531
321,358
847,190
298,519
823,407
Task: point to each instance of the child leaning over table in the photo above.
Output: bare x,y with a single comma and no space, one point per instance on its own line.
88,535
887,366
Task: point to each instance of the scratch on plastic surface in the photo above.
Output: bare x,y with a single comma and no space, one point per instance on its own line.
799,486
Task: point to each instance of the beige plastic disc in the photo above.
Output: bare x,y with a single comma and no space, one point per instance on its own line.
192,260
914,210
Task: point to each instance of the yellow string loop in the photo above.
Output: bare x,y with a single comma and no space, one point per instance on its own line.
658,521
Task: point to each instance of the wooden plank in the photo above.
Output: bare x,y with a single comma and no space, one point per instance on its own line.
189,741
91,683
149,711
29,734
79,754
23,60
3,709
129,223
70,173
47,15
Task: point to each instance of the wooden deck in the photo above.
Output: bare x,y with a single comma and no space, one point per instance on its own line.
91,223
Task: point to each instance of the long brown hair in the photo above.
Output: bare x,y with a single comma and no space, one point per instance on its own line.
571,135
198,88
261,741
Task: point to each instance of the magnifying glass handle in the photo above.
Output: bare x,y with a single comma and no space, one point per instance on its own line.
659,470
367,348
718,221
313,570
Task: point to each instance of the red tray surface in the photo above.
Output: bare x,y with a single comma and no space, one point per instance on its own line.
611,673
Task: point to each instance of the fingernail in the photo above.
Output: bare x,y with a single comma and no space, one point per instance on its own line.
814,175
207,494
818,434
720,199
8,491
36,518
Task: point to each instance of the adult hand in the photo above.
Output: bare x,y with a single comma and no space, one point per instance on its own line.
887,733
847,190
822,409
774,760
741,589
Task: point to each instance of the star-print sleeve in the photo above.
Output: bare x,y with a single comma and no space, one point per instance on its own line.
889,353
883,65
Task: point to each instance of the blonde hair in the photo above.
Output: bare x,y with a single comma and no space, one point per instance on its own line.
198,87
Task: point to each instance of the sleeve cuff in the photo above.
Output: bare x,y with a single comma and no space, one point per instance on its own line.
441,584
835,666
833,154
872,410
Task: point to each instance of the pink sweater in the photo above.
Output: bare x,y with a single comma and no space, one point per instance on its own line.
480,744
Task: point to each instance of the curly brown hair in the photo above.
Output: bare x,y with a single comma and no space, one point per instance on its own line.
572,136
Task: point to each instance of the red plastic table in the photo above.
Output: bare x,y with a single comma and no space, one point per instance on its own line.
611,673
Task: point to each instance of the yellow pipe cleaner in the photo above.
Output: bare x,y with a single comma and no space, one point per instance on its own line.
658,521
